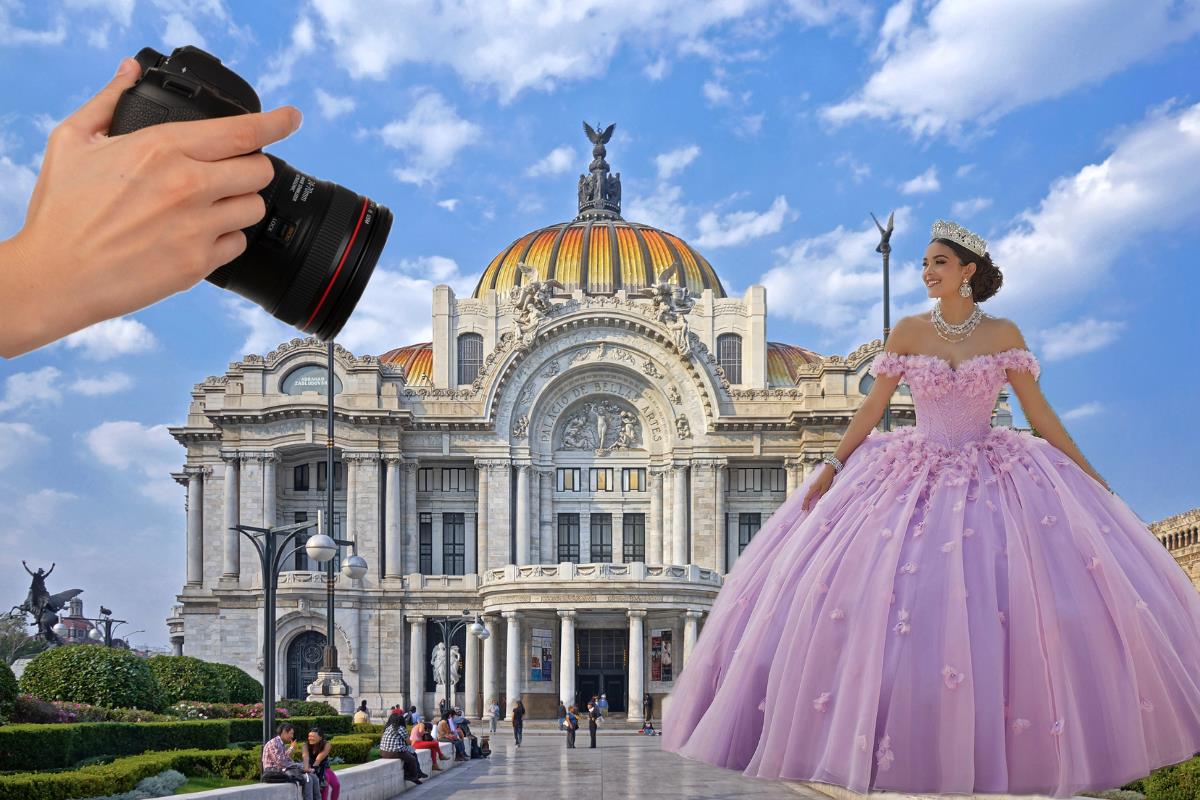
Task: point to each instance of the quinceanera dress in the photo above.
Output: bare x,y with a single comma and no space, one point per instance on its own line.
965,610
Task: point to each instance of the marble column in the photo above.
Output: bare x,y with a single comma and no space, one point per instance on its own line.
195,525
795,470
691,632
270,491
411,551
721,559
637,662
490,685
535,511
585,538
679,536
546,516
522,555
471,677
512,663
439,550
350,462
233,540
668,509
654,526
416,661
470,546
392,511
566,658
481,525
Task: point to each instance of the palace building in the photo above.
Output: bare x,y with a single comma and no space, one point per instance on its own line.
579,456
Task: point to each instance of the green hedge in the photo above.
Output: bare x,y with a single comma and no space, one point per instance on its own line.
242,687
367,727
8,692
187,678
244,730
123,774
39,747
353,749
101,676
305,708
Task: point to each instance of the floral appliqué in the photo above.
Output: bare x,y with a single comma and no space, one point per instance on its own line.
837,613
1049,520
948,546
822,702
886,533
883,755
902,627
968,532
1020,724
952,677
1057,728
860,741
1147,705
1093,562
909,567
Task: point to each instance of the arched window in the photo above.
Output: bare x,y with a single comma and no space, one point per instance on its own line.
470,357
729,356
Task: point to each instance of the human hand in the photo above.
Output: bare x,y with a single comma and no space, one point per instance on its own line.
117,223
819,486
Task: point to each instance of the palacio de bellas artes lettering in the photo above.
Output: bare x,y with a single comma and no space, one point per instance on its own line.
586,447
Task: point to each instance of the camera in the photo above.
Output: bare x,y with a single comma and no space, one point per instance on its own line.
308,260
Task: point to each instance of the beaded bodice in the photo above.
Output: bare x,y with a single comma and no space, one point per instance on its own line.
954,404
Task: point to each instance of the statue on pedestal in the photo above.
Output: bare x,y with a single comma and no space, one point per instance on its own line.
43,606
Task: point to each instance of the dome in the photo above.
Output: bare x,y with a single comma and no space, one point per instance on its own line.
784,362
416,359
598,251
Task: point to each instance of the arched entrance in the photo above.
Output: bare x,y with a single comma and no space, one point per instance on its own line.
304,656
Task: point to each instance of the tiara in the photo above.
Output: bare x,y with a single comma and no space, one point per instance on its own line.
944,229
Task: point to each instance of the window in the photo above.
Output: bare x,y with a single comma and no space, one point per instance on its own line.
601,538
454,544
568,479
568,537
302,561
729,356
776,479
425,540
427,480
633,539
322,471
748,525
454,479
633,479
749,479
300,478
601,479
470,357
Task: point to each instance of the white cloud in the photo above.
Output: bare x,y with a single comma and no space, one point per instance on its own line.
556,162
673,161
750,125
970,207
109,383
739,227
895,22
964,170
121,11
973,61
41,507
1087,335
715,93
13,34
17,180
657,70
450,203
112,338
148,451
431,135
926,182
281,65
17,442
332,106
1086,221
1081,412
263,332
178,30
23,390
664,208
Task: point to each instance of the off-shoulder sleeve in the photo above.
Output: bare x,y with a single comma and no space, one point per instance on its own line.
887,363
1019,358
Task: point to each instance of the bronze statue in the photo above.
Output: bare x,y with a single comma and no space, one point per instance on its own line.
43,606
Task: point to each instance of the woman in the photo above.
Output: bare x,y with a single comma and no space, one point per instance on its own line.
518,720
446,733
316,761
571,723
395,744
362,715
422,739
494,713
950,607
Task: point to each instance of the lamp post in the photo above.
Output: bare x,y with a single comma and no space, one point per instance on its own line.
449,627
885,248
102,627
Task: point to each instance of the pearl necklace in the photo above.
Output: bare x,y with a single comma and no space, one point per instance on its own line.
962,329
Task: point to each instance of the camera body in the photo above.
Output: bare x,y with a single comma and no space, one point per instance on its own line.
308,260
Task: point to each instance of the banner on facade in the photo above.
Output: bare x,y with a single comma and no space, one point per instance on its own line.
541,659
660,655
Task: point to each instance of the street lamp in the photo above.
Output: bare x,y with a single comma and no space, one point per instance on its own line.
885,249
450,626
98,634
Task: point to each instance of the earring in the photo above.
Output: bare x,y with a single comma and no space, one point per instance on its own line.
965,289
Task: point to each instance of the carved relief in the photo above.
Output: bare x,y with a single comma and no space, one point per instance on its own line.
601,427
520,428
683,428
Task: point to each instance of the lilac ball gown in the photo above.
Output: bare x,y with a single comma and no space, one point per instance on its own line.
965,610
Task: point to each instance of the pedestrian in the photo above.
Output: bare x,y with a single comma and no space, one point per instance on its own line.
562,713
518,719
443,707
603,705
647,707
494,713
593,722
414,716
362,715
571,722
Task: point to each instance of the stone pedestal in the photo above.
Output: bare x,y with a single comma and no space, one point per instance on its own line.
330,687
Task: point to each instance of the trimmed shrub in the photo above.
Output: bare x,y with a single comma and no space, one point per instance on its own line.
39,747
353,749
303,708
241,686
101,676
188,678
245,730
366,727
1174,782
124,774
8,692
330,726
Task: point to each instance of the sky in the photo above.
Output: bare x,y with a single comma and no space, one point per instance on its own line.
764,132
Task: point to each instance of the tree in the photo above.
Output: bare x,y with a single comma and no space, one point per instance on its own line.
15,641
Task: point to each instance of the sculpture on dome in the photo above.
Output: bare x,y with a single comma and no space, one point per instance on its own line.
531,297
671,298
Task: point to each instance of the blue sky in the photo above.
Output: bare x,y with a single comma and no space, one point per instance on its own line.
762,132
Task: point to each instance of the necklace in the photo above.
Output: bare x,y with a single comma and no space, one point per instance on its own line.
962,330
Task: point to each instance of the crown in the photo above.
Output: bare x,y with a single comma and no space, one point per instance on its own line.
944,229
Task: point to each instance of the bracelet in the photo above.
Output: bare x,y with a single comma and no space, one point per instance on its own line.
834,462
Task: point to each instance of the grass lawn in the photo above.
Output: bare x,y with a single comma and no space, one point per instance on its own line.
204,784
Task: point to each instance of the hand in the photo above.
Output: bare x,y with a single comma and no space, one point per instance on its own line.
115,224
819,486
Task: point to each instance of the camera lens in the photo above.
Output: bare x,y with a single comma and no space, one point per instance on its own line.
308,260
